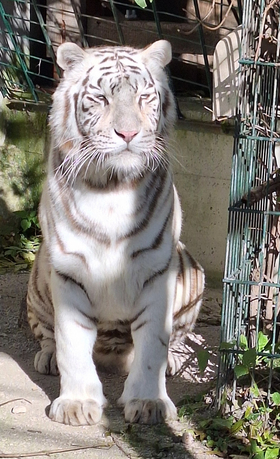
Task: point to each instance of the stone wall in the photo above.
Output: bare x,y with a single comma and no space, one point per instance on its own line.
23,147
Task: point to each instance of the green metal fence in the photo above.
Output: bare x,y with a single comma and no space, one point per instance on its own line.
250,318
31,30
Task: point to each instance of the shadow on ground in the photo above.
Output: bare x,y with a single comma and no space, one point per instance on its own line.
25,396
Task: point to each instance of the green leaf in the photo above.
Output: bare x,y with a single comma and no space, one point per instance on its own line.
222,424
275,397
243,342
248,412
141,3
241,370
30,257
237,426
21,266
202,358
224,346
254,447
254,390
249,357
272,453
25,224
259,455
21,213
262,341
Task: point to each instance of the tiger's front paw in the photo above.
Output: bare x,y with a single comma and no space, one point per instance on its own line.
45,363
149,411
75,412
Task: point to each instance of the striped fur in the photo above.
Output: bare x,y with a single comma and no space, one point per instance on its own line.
111,272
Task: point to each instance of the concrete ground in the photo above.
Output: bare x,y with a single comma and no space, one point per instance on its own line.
26,430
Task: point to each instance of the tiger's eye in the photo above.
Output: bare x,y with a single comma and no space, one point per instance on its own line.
144,96
142,99
102,99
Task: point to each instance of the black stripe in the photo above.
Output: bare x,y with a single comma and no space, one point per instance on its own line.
34,285
84,225
165,102
181,272
41,318
82,325
157,273
60,243
139,326
150,188
67,278
162,342
115,334
187,307
57,160
138,315
86,79
158,239
140,226
106,59
96,88
75,97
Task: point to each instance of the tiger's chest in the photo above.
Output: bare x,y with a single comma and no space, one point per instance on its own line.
102,240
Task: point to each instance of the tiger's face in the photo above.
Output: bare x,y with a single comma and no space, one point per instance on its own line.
116,105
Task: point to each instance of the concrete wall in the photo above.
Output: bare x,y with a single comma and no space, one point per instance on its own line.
202,171
23,139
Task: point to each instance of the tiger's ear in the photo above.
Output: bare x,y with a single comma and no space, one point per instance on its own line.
69,55
159,54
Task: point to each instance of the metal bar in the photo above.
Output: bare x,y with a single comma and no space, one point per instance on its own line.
240,10
18,53
46,36
80,24
221,10
116,19
157,21
237,17
204,52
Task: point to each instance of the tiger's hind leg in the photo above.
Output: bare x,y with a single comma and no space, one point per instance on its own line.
40,315
45,359
113,350
188,300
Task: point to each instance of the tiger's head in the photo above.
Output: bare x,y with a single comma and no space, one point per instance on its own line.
112,111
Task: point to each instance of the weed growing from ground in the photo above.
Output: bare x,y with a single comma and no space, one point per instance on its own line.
18,249
248,422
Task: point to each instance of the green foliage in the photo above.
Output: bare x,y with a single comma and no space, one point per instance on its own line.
248,424
202,358
142,3
18,249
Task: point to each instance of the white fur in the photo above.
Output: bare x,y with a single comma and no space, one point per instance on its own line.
95,281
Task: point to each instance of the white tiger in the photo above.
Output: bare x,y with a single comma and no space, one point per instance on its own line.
111,272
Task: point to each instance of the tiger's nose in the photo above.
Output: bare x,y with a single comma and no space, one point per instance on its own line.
127,136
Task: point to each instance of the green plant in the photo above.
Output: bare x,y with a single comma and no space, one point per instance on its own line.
249,424
18,249
29,222
142,3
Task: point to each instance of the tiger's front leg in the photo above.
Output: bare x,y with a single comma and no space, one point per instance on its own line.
81,397
144,397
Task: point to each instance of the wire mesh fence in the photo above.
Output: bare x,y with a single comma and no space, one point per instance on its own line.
31,30
250,350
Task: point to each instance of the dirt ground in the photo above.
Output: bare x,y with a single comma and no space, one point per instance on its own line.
26,430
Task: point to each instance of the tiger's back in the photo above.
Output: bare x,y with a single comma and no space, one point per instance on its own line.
111,273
